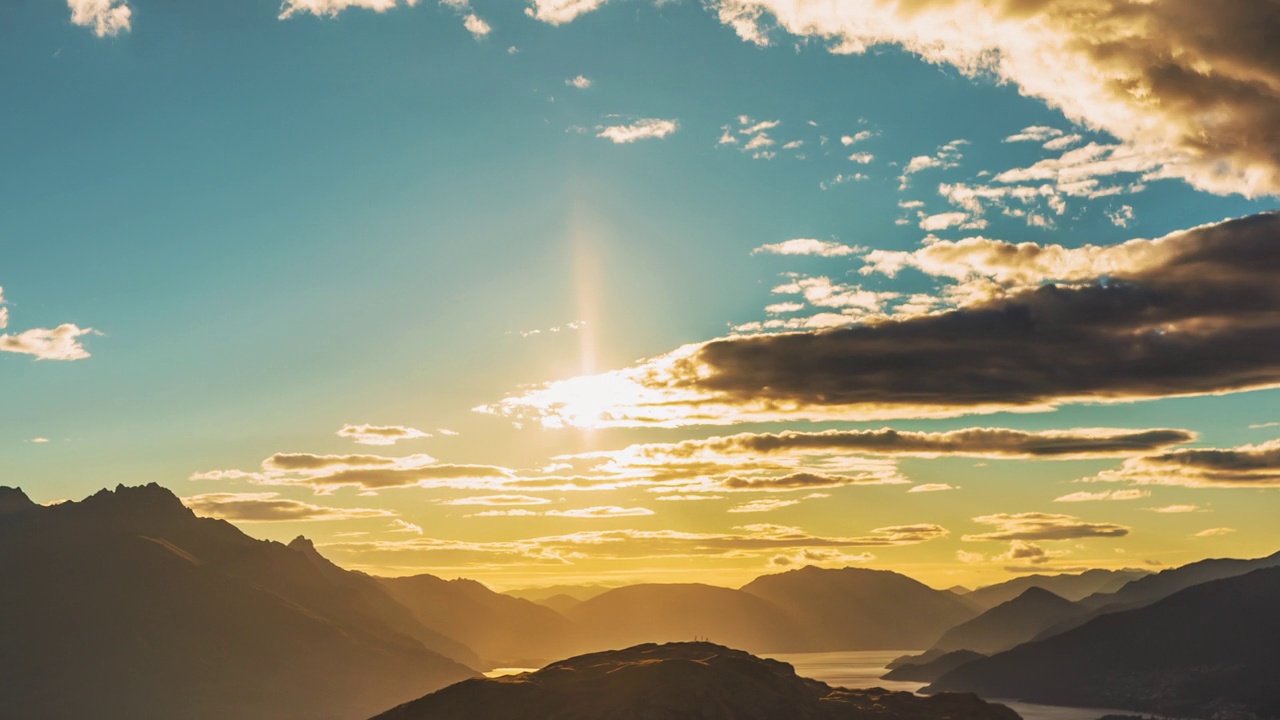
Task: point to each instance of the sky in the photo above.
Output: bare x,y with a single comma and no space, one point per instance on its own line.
576,291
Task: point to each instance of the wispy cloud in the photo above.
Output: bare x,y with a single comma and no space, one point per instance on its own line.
1035,526
643,129
380,434
271,507
808,246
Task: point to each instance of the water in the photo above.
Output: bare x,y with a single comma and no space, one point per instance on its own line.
862,669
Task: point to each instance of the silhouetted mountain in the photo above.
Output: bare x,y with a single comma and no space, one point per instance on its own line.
502,629
1069,586
1151,588
861,609
931,668
671,612
1212,647
1009,624
13,500
126,605
679,681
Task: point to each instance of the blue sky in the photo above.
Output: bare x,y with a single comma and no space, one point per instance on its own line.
277,227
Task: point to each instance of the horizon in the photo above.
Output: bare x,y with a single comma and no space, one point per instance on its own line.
613,293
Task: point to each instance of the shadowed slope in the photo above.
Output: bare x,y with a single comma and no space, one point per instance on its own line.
126,605
1009,624
679,681
1211,647
1069,586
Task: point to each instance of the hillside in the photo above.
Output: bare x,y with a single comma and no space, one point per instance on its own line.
679,681
860,609
126,605
1010,623
504,630
1209,648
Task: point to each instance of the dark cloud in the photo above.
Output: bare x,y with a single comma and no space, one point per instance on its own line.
972,442
1250,466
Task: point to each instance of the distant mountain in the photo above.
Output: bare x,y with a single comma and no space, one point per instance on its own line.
13,500
1069,586
126,605
1212,648
577,592
502,629
679,681
861,609
1151,588
1167,582
673,612
1011,623
560,603
931,668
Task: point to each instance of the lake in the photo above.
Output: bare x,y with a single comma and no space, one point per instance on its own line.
862,669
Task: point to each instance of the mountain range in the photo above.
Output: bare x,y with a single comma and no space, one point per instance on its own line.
127,605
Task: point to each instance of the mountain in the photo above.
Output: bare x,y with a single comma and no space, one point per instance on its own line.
1151,588
679,681
670,612
1212,648
577,592
502,629
1070,586
14,501
560,603
931,668
1011,623
126,605
861,609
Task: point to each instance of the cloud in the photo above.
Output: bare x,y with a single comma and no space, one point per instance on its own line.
757,540
762,505
1197,83
995,443
331,8
567,327
808,246
1248,466
60,343
1035,526
270,507
39,440
1023,551
1176,509
932,487
821,557
847,140
1104,495
380,434
1024,328
475,25
497,500
404,526
862,158
1259,426
1214,532
557,12
1035,133
582,82
599,512
105,17
944,221
642,129
688,497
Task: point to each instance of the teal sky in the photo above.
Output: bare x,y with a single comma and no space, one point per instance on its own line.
278,227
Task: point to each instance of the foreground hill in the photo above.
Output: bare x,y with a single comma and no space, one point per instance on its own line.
504,630
680,681
125,605
1210,648
1072,587
861,609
